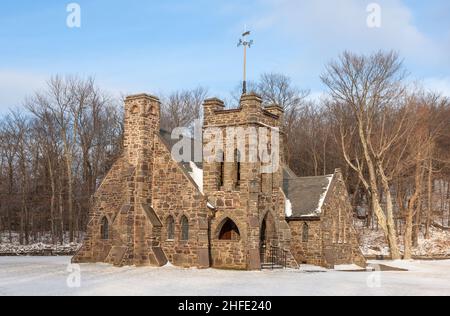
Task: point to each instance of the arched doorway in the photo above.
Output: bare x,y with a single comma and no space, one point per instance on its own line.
229,231
268,236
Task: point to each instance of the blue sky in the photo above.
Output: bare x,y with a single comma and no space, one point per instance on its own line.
158,46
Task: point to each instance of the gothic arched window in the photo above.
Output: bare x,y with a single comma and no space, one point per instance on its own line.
221,161
305,233
134,110
237,160
104,229
229,231
170,228
184,228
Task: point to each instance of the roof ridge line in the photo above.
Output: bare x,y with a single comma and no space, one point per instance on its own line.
313,177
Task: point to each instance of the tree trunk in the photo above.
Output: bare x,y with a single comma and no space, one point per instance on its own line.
24,218
448,204
70,196
388,228
52,200
418,209
61,211
10,193
392,231
430,199
413,206
408,235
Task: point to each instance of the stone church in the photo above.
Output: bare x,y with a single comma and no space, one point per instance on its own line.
151,210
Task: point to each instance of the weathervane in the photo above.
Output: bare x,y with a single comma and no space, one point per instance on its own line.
246,43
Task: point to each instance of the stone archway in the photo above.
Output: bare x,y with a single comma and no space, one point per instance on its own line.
229,230
268,236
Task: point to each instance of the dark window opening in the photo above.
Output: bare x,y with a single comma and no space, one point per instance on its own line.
229,231
221,170
184,228
170,228
104,229
305,235
237,159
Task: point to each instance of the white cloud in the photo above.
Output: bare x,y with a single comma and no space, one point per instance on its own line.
327,27
441,85
317,96
16,85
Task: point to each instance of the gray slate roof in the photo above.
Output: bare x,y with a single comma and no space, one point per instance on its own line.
305,194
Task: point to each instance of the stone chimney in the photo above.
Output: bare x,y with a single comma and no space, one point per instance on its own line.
142,121
211,105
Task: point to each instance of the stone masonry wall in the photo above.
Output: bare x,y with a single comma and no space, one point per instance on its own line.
229,254
247,204
340,243
107,202
309,252
176,195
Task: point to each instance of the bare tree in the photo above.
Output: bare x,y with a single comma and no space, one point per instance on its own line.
9,157
75,109
369,88
278,89
181,108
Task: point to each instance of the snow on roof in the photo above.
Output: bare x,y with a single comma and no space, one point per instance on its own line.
209,204
196,175
324,195
288,208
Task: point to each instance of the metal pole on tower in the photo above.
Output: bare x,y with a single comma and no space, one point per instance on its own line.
246,44
244,84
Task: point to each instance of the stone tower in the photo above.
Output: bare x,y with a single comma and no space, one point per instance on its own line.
142,125
249,201
122,206
142,120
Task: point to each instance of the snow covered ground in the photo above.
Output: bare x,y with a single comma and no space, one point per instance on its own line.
373,242
54,276
37,248
43,243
